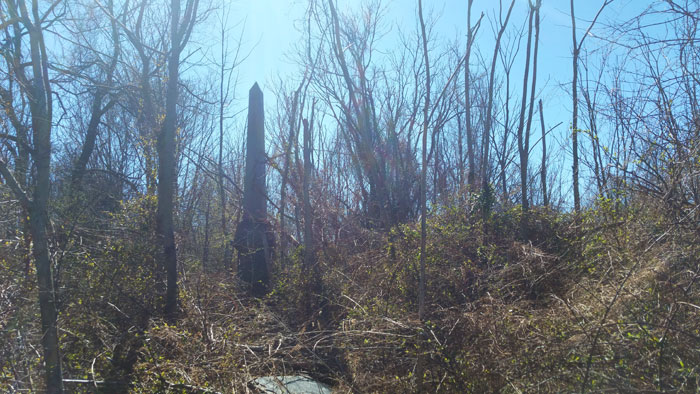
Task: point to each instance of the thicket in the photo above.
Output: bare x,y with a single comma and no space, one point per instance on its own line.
604,300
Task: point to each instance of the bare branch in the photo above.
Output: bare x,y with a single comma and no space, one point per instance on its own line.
14,185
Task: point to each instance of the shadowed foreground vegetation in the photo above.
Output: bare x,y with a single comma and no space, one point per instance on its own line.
605,302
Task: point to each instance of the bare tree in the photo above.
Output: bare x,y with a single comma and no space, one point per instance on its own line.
662,121
227,83
103,90
471,33
180,31
504,151
577,45
543,170
359,119
286,166
486,138
590,97
424,164
38,91
523,150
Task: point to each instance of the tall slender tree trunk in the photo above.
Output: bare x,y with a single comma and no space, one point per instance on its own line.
543,171
310,267
166,168
38,214
309,248
522,149
167,172
420,364
503,160
222,192
205,246
38,221
574,122
424,166
525,153
223,93
460,155
574,93
471,31
292,122
486,140
38,91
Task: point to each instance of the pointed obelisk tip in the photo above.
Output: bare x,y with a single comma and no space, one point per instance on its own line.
255,89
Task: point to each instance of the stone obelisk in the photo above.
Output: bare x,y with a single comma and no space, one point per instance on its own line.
252,239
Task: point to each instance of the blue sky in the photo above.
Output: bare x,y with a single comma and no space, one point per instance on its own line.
270,31
270,34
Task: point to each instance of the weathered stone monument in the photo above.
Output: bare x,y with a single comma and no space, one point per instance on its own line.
299,384
253,239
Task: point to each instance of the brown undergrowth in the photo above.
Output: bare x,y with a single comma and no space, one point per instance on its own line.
604,301
595,303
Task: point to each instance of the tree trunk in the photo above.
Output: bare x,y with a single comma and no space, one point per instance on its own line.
424,167
311,269
574,122
522,149
223,94
38,220
574,92
292,122
503,160
543,171
471,174
47,302
40,103
205,246
486,140
309,250
166,168
167,172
